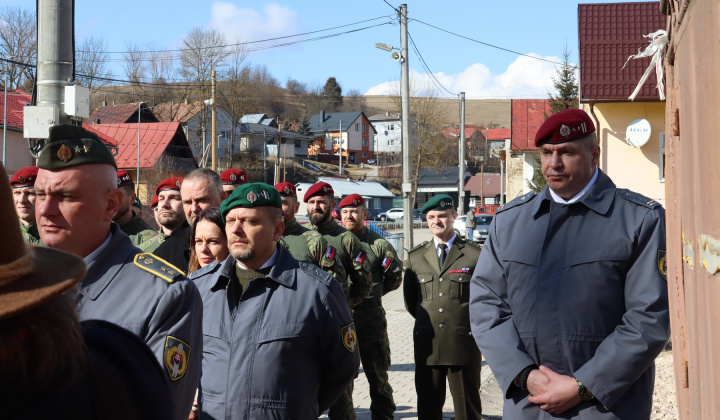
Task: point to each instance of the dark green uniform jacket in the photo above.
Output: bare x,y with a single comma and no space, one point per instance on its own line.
138,231
308,245
385,268
30,234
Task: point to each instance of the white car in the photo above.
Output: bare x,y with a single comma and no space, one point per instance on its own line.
459,226
395,213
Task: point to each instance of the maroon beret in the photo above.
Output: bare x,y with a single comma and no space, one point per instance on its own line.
564,126
25,177
286,188
234,177
317,189
352,200
169,184
123,178
154,201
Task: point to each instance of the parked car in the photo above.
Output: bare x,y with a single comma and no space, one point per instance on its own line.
459,226
482,225
395,213
372,162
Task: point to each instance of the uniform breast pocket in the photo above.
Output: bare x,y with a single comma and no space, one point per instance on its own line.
460,287
426,282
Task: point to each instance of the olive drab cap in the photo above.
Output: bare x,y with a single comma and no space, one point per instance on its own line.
71,145
256,194
439,202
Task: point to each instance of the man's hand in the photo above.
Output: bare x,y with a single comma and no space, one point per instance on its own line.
561,393
537,382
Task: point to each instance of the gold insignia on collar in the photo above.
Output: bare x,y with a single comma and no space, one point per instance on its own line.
64,153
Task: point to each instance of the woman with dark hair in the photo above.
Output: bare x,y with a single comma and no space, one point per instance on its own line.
208,241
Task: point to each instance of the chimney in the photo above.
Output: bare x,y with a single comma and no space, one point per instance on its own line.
387,112
322,115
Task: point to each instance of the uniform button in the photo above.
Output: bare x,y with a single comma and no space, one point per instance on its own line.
440,278
440,310
441,293
441,325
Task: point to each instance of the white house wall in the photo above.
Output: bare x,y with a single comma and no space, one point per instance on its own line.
382,140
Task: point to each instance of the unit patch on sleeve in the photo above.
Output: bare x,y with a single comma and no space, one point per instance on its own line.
176,357
662,263
349,339
330,253
386,262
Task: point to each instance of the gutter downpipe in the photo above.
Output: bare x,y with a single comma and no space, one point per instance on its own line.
597,123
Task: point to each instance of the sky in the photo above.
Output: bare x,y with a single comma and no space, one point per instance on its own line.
480,66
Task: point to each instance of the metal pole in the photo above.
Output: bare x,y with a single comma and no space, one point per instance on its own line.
54,54
137,175
214,126
461,157
502,179
405,100
341,147
264,157
5,118
204,147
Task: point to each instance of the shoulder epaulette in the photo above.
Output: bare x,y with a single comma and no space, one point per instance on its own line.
473,244
418,246
156,265
315,272
208,269
517,201
636,198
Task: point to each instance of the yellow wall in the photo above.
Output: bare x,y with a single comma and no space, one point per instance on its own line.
638,169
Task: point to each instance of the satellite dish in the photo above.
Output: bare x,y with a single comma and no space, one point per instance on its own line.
396,56
638,132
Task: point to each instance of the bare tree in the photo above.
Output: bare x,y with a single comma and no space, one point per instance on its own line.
203,51
91,62
354,101
235,87
135,67
18,42
161,70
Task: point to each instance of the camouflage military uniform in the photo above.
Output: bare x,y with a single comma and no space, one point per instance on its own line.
138,231
308,245
30,234
369,316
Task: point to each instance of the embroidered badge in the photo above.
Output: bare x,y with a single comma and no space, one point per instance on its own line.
178,182
360,257
242,177
251,197
233,177
564,130
21,179
349,338
324,188
330,253
662,263
355,202
386,262
64,153
176,357
287,190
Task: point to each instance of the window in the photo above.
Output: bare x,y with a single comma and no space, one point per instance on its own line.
662,157
364,155
392,127
391,142
364,128
357,127
298,143
336,141
376,203
365,142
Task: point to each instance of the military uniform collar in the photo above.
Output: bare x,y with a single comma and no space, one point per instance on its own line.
180,229
362,233
108,263
281,272
328,226
598,198
134,221
292,226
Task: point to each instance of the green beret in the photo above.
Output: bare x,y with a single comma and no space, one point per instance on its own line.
71,145
256,194
439,202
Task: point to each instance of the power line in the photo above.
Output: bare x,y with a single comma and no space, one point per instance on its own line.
426,67
489,45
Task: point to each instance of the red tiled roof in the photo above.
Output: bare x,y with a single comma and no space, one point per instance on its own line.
454,133
498,133
608,35
17,99
154,139
527,116
181,112
490,183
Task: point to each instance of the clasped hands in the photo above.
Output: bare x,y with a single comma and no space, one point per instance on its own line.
553,392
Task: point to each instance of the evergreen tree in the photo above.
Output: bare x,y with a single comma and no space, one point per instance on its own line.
333,92
305,127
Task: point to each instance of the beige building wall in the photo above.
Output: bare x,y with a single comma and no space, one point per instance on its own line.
18,155
638,169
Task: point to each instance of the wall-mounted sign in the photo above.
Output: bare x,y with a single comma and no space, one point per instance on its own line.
638,132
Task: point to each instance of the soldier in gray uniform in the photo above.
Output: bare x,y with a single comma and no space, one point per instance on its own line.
76,199
23,189
369,315
130,222
569,298
305,244
436,289
279,338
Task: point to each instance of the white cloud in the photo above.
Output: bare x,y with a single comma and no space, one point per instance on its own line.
248,24
525,77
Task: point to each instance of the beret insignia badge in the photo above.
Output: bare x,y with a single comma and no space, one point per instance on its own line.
355,202
324,188
64,153
564,130
178,182
287,190
22,179
233,177
251,197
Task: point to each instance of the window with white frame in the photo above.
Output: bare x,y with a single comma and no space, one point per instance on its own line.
357,127
661,167
377,203
364,128
392,127
365,142
364,155
391,142
336,141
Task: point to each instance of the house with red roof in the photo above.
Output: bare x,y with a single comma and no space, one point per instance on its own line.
631,133
164,151
527,115
16,147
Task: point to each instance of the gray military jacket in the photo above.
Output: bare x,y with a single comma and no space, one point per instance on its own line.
289,352
437,297
153,300
588,300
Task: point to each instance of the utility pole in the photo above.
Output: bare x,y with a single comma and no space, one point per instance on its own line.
405,100
137,176
214,126
284,150
461,156
341,147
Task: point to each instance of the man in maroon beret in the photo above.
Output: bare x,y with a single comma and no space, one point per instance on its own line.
232,178
320,204
174,246
23,189
130,222
568,301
